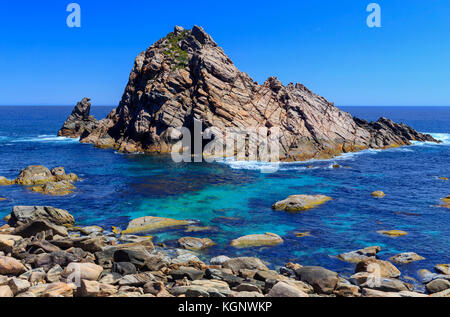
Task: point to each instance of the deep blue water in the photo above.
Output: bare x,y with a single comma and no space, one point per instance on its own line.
236,199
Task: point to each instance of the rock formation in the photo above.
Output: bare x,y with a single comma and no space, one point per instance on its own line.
187,77
79,121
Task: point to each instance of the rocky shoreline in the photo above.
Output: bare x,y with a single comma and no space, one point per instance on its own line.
42,254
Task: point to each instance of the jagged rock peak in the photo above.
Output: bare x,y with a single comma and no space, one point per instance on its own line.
79,120
186,76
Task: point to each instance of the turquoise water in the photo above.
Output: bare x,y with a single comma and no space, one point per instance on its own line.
235,199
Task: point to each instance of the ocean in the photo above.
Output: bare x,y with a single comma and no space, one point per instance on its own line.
235,198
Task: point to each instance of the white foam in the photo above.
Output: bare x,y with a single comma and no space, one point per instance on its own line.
443,137
46,139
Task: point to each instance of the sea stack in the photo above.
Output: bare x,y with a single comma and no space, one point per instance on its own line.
79,121
186,76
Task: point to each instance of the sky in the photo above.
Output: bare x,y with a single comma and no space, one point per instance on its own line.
324,44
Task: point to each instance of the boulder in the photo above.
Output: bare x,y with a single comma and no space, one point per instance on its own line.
282,289
219,260
324,281
443,268
301,202
95,289
124,268
34,175
137,255
437,286
57,289
32,228
53,215
11,266
407,257
5,291
385,285
136,280
359,255
148,224
189,272
195,244
8,241
249,263
257,240
18,285
378,268
82,271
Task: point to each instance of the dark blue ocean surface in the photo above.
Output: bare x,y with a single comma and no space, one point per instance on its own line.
235,198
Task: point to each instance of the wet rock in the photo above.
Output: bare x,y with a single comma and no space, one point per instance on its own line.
378,194
34,227
443,268
282,289
324,281
256,240
249,263
437,286
393,233
195,244
5,182
301,202
378,268
82,271
61,188
359,255
189,272
79,121
34,175
25,214
10,266
148,224
407,257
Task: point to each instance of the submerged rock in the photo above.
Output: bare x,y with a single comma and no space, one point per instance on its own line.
407,257
378,194
257,240
61,188
393,233
186,76
79,121
301,202
148,224
195,244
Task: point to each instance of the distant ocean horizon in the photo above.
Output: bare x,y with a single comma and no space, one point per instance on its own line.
234,198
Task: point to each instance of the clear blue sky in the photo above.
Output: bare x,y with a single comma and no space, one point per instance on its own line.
325,45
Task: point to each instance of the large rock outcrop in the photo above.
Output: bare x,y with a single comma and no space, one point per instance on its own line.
186,76
79,121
